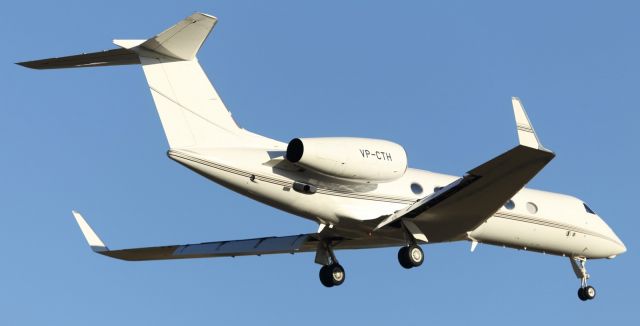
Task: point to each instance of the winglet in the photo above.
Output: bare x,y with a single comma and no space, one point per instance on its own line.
526,135
92,238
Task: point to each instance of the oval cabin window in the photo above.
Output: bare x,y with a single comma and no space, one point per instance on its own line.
510,205
532,208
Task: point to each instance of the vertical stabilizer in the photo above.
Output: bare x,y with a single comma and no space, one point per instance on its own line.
190,109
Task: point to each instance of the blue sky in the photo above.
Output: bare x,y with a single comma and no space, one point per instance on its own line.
436,77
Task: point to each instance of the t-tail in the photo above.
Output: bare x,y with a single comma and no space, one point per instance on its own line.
191,112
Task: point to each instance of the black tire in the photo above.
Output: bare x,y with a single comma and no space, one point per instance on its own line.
403,258
332,275
325,276
581,294
415,255
589,292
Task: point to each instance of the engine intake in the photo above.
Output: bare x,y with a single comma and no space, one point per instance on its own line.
295,150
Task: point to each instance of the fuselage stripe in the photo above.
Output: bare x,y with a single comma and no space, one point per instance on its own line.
397,200
549,223
289,183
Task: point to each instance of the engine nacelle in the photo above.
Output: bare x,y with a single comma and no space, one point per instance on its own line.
358,159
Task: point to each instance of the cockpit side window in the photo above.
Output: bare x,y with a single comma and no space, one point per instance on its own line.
589,210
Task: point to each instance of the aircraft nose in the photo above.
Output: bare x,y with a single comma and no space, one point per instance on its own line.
614,246
618,247
621,248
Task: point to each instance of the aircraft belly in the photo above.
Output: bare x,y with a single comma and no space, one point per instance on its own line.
279,194
324,206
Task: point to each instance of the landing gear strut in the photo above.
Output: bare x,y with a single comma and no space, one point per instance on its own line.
332,273
585,292
411,255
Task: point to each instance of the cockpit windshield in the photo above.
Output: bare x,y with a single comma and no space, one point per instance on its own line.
589,210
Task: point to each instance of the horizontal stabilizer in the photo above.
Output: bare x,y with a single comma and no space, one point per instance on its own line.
181,41
114,57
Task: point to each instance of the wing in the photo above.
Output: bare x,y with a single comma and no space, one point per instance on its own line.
466,203
259,246
248,247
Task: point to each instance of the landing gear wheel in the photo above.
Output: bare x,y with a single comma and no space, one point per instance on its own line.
332,275
581,294
403,257
587,293
325,277
411,256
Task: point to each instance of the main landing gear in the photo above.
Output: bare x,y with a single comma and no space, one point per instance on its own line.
332,273
585,292
411,255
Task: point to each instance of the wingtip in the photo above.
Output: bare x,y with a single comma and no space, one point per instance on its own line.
90,236
526,134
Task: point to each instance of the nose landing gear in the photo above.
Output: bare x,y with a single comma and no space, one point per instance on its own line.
585,292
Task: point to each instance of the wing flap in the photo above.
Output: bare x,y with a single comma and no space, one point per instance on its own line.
248,247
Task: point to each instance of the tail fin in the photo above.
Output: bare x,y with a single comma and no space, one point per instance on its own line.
192,113
190,109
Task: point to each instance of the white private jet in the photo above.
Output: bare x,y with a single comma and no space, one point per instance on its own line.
359,191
